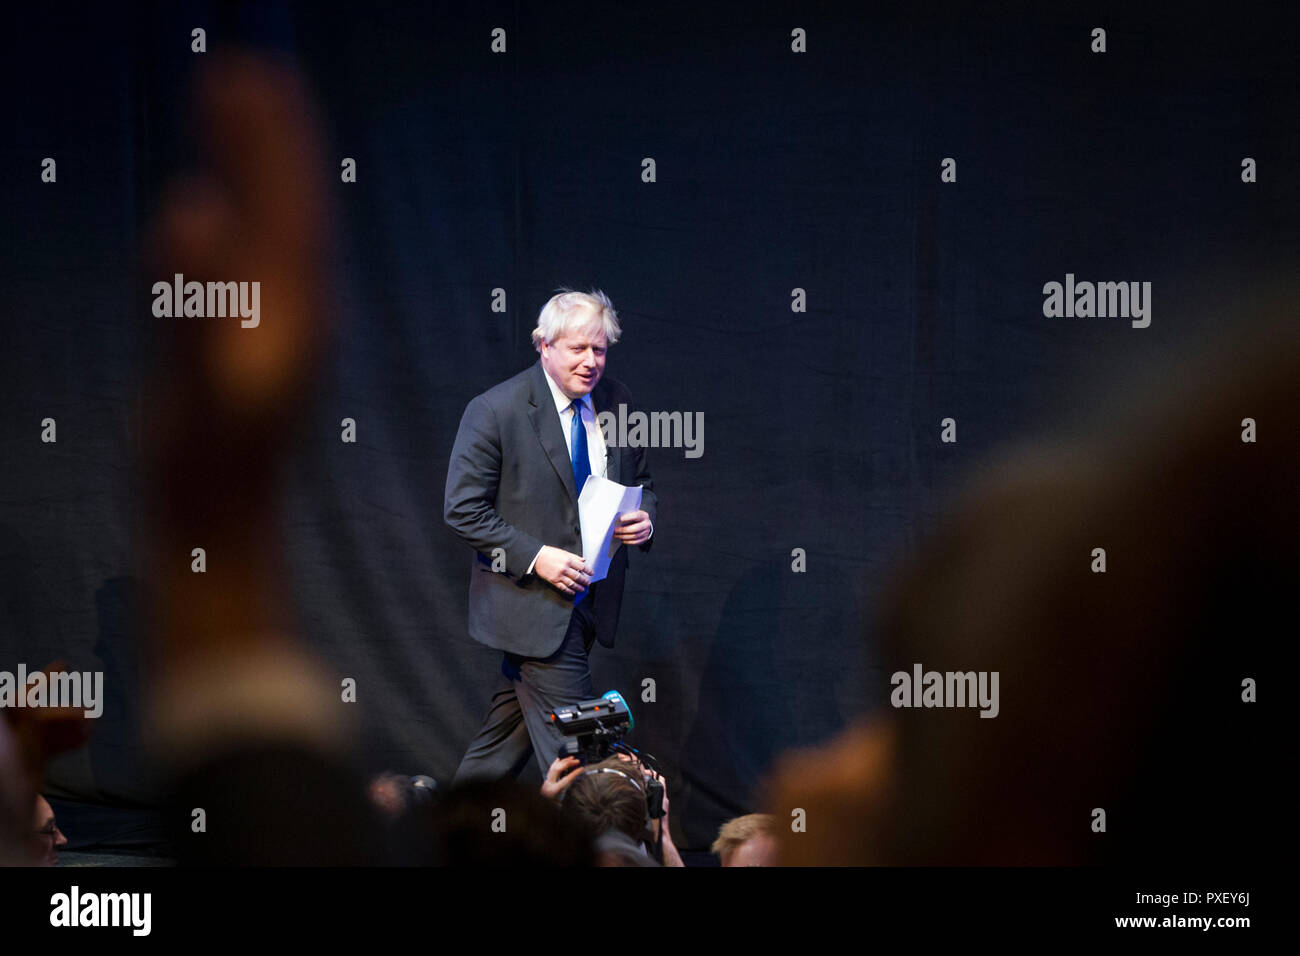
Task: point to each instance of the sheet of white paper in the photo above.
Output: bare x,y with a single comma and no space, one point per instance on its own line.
599,505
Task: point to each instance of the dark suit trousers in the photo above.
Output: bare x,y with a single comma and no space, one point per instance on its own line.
518,722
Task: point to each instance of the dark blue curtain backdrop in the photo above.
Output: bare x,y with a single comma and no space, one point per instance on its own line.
775,170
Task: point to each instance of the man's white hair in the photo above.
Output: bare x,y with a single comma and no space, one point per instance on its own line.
570,311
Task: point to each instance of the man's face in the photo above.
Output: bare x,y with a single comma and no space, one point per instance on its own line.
576,361
47,833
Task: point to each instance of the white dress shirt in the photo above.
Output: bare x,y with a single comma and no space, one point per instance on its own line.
595,438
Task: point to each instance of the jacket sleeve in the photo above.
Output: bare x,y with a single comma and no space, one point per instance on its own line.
649,501
469,504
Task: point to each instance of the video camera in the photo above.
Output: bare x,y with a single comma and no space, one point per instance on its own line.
598,727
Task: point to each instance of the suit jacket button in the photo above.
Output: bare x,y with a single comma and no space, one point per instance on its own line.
577,530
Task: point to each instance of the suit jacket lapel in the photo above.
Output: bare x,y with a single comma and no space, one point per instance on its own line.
546,425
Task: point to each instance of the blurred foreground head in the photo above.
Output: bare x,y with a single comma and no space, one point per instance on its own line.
1120,691
504,823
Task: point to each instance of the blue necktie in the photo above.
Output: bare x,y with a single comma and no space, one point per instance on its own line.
581,461
578,444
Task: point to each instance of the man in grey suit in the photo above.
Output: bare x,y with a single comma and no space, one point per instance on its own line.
522,453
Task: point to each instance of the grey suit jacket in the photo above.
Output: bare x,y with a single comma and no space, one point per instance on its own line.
510,486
